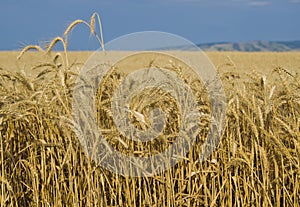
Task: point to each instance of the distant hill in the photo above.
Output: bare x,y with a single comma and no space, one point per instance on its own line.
255,46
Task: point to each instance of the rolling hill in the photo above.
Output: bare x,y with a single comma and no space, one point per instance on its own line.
255,46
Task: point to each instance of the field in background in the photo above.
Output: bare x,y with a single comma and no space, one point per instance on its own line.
263,62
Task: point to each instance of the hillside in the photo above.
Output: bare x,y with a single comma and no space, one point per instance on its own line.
255,46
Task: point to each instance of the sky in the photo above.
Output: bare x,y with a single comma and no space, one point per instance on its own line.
200,21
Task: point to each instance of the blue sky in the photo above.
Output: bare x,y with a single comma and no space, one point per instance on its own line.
201,21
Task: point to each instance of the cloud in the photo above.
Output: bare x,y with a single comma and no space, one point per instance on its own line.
258,3
199,1
294,1
254,3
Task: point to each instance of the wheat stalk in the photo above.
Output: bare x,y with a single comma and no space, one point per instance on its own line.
92,26
72,25
29,47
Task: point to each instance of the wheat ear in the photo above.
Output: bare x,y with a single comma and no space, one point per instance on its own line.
92,28
72,25
29,47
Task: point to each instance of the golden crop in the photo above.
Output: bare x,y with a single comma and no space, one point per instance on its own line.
43,164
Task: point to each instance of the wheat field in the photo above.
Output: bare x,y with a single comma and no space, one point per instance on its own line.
43,164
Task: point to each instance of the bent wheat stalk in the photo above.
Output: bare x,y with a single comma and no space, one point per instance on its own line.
29,47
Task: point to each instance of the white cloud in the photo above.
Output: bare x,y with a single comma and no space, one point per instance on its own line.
294,1
258,3
234,2
202,1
